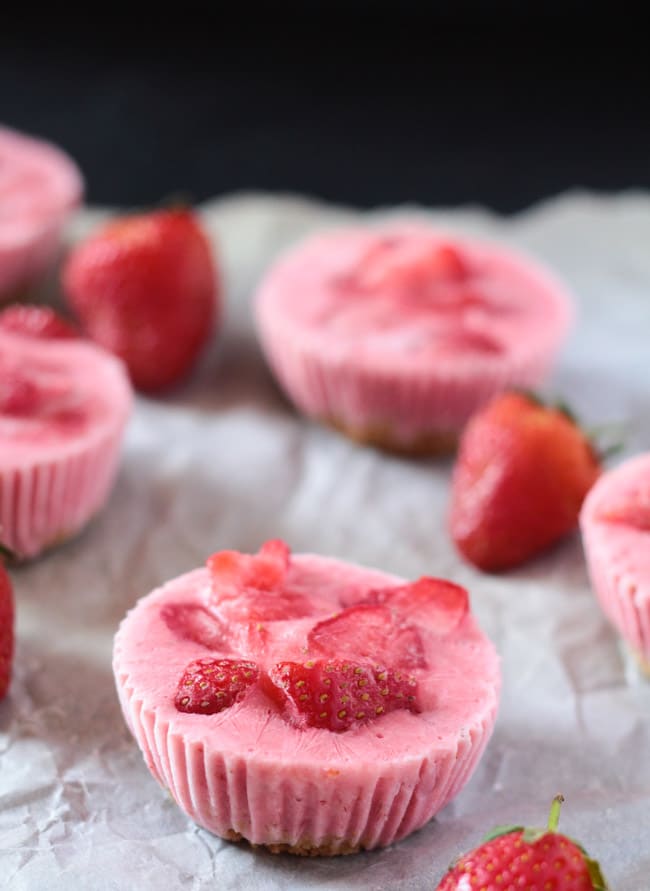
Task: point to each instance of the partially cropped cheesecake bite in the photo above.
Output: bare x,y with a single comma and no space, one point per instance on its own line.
39,187
615,523
64,405
307,704
398,335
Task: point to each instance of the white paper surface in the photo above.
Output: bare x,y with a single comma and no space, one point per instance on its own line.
226,463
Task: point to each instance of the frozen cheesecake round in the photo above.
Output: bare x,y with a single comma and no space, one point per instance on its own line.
64,404
39,187
306,704
398,335
615,523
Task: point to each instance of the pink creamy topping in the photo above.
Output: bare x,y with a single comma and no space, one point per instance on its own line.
255,611
414,294
184,622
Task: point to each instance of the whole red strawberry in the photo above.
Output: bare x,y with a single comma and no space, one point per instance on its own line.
512,857
145,287
6,628
522,472
36,321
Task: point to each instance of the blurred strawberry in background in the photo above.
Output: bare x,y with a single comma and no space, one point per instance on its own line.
146,288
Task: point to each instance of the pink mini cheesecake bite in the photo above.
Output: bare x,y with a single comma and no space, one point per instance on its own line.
64,404
398,335
39,187
615,523
305,704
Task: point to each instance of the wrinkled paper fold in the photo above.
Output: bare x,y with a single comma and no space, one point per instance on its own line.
226,463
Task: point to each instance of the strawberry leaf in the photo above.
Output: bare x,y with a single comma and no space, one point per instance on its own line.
596,875
531,835
498,831
6,553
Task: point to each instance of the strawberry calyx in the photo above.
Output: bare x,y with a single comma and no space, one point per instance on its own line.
593,435
531,835
6,554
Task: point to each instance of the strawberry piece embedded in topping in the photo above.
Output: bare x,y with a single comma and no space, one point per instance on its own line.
338,695
437,604
196,623
36,321
19,396
406,264
464,340
209,686
250,588
369,632
231,571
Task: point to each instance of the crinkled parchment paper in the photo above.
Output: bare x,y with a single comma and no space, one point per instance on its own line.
226,463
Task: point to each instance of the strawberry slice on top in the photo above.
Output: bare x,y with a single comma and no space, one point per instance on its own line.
368,632
338,695
251,588
435,603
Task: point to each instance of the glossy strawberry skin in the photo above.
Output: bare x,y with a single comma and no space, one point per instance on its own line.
522,473
40,322
338,695
209,686
508,862
145,288
6,630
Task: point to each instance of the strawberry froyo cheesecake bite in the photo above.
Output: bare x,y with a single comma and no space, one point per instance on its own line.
39,187
306,704
615,523
398,335
64,404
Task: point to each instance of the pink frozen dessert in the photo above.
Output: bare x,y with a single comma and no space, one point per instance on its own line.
64,404
615,524
306,704
397,335
39,187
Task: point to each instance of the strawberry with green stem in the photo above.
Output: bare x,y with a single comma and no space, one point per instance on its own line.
513,857
522,473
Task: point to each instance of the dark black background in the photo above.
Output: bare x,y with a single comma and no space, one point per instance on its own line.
365,103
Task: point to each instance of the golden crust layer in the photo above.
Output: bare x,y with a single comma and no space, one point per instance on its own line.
426,445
